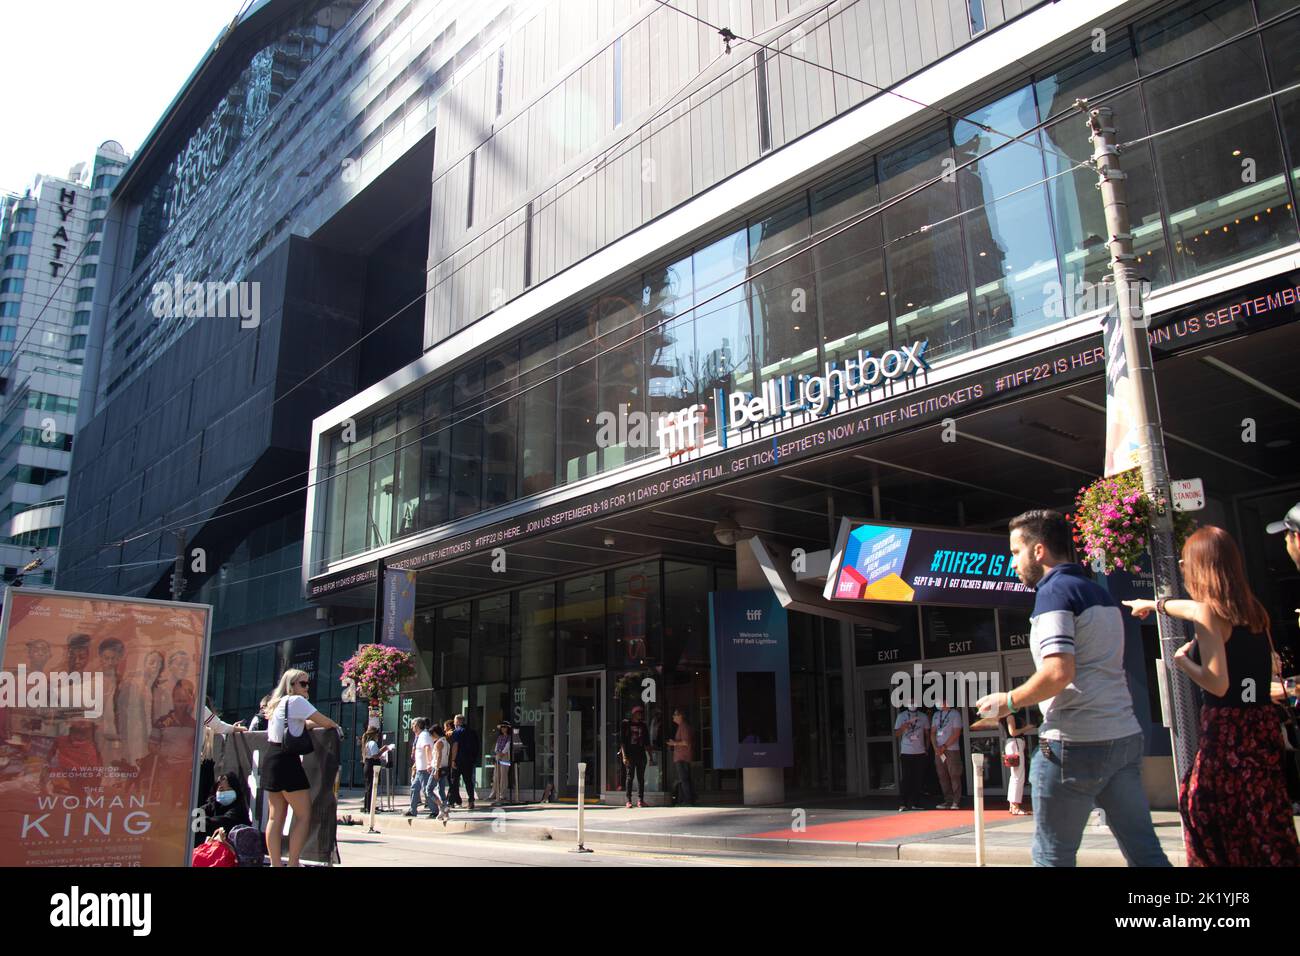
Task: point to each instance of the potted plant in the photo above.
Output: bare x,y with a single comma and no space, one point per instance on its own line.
377,671
1112,522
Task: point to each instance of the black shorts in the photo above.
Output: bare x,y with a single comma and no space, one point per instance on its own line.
283,772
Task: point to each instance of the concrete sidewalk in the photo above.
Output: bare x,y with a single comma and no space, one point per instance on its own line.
930,836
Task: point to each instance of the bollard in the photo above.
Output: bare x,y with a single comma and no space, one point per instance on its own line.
977,759
374,795
582,806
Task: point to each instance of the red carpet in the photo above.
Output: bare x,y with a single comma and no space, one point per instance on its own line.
887,827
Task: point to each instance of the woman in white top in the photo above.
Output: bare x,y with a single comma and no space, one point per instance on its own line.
285,782
441,768
1015,756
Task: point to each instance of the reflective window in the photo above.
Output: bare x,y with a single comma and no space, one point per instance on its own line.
623,435
927,280
435,456
11,286
634,624
666,298
357,513
1014,279
451,645
1282,45
467,441
1219,177
406,509
580,622
491,646
534,654
1077,212
723,340
537,410
783,293
578,395
852,296
381,479
501,427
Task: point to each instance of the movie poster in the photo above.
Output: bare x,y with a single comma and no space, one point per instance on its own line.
100,710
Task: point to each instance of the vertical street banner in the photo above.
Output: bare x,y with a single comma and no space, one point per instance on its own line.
399,609
1123,441
100,729
750,647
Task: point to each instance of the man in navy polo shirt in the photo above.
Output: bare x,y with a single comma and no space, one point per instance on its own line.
1091,743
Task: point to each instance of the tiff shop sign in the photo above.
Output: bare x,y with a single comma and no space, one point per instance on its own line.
817,394
67,200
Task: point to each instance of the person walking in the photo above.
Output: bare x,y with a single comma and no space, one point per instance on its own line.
288,715
421,764
1233,800
1090,741
683,747
1015,757
910,729
945,737
465,755
370,761
441,767
501,765
634,750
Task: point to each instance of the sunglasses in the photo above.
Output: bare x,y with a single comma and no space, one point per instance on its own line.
302,683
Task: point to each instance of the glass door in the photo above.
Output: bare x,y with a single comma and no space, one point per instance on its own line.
878,754
984,670
579,700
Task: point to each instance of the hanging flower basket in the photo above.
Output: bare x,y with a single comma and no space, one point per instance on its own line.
1112,522
378,670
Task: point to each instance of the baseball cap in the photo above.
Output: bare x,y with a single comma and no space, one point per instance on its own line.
1290,523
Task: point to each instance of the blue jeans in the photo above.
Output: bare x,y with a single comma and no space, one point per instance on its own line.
419,784
1073,778
438,787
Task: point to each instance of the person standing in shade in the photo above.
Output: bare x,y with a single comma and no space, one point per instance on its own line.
945,736
501,765
1090,741
465,755
441,766
421,764
633,749
1291,526
910,730
1015,756
683,747
1233,800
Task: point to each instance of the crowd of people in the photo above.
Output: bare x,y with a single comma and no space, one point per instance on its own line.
1234,800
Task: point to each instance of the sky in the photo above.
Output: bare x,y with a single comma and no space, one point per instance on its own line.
79,72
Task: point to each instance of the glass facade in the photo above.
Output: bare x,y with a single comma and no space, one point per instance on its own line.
1009,244
608,641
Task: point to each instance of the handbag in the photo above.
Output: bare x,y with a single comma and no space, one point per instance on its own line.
214,851
299,745
1011,760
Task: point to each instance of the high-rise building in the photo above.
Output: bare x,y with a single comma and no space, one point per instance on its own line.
847,258
50,238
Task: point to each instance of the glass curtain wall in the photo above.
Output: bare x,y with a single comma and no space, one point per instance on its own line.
966,234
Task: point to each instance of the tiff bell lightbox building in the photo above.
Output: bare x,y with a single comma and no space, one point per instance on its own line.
627,220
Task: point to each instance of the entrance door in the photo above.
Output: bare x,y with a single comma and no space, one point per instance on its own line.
580,737
878,754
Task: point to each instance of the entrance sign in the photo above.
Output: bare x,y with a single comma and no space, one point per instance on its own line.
99,769
818,394
750,646
1188,494
904,565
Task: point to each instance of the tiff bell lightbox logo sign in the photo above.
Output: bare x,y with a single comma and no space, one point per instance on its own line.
818,394
211,300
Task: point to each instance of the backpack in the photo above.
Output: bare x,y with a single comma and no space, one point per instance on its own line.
248,844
